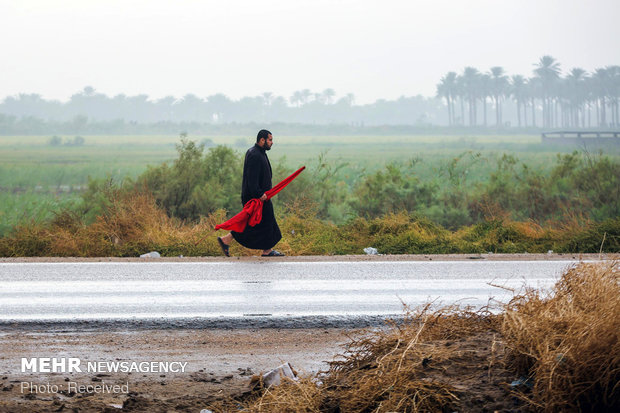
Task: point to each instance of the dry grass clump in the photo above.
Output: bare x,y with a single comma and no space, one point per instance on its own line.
567,342
530,230
398,369
405,234
507,236
395,369
301,396
303,233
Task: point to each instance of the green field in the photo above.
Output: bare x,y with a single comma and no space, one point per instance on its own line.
38,178
28,161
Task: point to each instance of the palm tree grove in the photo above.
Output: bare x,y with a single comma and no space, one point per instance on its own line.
547,99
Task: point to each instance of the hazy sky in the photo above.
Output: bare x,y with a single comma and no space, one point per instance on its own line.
374,49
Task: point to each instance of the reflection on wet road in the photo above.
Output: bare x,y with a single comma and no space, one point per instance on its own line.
116,290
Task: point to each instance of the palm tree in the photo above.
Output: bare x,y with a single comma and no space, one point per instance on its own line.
90,103
563,96
471,83
88,91
614,93
591,99
350,98
518,90
575,95
447,88
499,88
548,71
305,96
220,105
484,91
460,92
534,91
267,98
600,83
296,99
328,95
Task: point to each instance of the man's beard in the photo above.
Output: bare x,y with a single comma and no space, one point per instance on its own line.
267,147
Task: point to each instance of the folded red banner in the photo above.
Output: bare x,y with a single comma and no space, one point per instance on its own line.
252,211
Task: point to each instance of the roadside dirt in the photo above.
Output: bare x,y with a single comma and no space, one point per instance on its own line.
220,364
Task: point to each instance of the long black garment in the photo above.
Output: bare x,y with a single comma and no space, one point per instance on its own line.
257,180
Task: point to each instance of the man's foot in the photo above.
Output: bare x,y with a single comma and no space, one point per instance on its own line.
273,253
225,248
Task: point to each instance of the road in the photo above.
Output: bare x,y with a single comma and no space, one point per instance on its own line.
253,293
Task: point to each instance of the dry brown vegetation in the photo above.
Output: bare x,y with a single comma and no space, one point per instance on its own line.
567,341
563,344
397,370
132,223
400,369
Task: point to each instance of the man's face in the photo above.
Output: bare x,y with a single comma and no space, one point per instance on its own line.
268,142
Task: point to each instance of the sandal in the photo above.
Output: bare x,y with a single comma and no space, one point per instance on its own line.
273,253
225,248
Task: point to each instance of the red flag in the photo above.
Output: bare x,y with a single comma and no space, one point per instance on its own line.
252,211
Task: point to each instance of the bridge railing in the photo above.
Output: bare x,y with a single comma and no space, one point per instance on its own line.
577,137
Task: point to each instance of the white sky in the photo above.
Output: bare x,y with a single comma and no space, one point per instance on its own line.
373,49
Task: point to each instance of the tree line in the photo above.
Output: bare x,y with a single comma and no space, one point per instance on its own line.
546,99
303,106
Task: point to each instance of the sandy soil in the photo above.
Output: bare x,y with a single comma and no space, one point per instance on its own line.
333,258
220,363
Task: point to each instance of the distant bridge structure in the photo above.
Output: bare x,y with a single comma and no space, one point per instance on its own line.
581,137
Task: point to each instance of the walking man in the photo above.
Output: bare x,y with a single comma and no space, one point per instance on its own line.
256,181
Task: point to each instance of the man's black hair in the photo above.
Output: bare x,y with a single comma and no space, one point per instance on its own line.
263,133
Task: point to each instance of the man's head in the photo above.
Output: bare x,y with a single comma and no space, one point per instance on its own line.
264,139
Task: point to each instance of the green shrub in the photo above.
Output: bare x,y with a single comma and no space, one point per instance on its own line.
196,183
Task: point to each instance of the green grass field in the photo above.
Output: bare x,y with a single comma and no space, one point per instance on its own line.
28,161
38,178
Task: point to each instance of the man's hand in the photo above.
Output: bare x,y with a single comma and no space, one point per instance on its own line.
263,198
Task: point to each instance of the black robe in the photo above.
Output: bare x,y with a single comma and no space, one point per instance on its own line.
257,180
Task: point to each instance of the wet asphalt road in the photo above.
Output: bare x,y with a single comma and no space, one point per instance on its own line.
220,294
